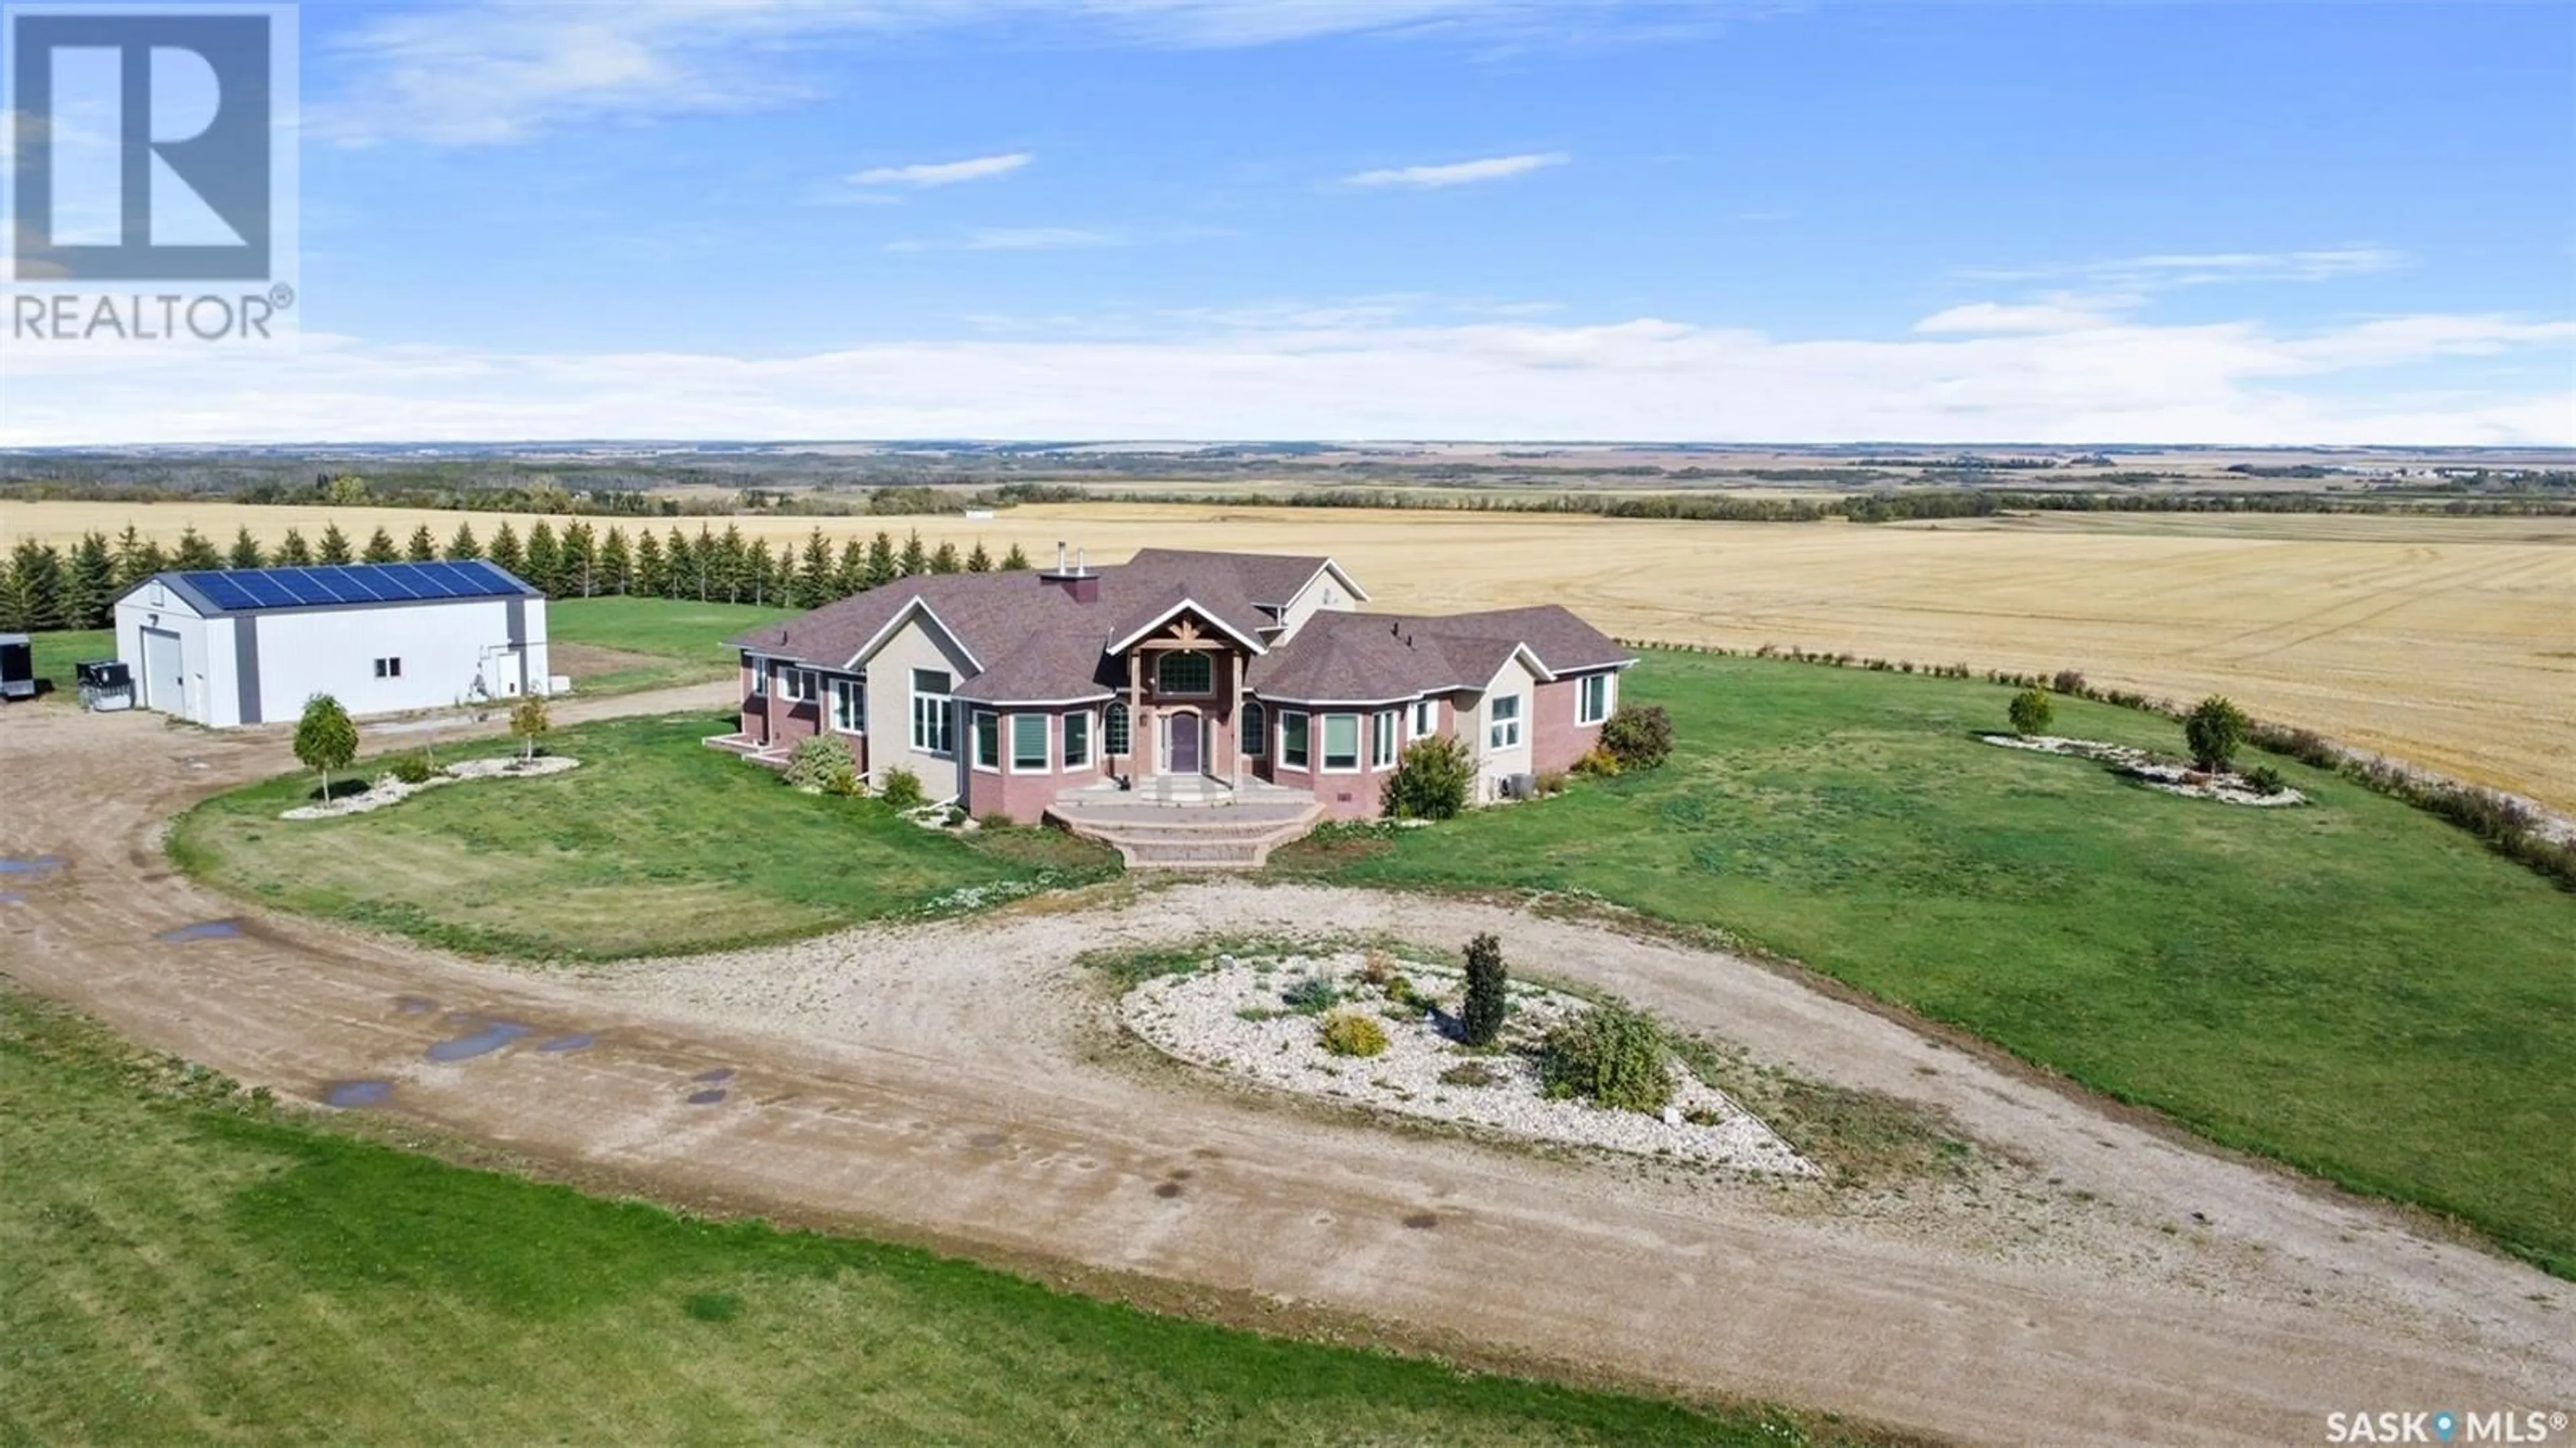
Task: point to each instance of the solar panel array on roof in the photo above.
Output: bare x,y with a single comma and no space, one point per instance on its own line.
323,587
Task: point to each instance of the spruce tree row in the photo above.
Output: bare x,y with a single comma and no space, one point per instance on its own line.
42,587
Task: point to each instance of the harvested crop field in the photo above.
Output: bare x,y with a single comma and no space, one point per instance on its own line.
2446,642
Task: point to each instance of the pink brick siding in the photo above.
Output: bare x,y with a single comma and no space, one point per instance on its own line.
1024,797
1556,741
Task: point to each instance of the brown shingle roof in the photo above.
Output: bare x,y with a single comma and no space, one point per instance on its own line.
1032,641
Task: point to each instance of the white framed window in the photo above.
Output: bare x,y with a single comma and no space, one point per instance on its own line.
759,675
1254,731
1341,743
849,706
1592,696
934,714
1185,673
1292,739
1426,717
796,686
388,668
986,727
1077,740
1504,730
1114,731
1029,744
1382,739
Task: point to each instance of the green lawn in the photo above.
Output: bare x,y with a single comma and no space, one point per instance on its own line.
682,641
656,843
55,653
178,1268
2353,987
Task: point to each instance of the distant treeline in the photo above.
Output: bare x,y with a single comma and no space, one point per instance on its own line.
548,496
1893,506
43,587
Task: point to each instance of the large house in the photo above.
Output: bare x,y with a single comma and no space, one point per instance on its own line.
1176,677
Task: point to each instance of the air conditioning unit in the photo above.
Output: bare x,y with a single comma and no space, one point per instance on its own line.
1520,786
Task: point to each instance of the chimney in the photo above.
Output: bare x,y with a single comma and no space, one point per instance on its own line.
1078,582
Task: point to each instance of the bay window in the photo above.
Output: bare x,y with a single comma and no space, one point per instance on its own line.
1292,740
1028,744
1341,742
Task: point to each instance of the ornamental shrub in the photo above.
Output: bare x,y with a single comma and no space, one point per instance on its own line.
1312,996
902,790
823,764
1612,1055
2213,730
2030,712
2068,682
412,768
1347,1033
1639,736
1432,781
1598,763
1480,1019
2264,779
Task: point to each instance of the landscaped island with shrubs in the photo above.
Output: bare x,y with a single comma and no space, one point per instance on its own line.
1424,1038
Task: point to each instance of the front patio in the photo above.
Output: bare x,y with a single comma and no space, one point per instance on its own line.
1189,821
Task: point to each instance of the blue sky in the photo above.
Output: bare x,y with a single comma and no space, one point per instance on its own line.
2281,222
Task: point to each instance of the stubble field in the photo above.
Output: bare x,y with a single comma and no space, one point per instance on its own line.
2450,643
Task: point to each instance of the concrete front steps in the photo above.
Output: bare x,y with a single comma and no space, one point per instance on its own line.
1212,837
769,756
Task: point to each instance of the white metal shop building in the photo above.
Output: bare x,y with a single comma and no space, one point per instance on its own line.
251,645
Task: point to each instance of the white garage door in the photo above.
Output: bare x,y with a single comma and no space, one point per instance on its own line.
165,685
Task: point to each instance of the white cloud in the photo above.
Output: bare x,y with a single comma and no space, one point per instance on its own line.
1353,378
1038,238
2057,314
1458,173
943,173
490,72
2163,271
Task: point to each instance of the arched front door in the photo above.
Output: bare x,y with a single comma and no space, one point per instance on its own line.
1181,740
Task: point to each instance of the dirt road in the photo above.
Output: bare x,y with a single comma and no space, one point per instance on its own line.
2104,1285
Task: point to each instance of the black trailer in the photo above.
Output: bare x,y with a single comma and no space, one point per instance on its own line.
17,667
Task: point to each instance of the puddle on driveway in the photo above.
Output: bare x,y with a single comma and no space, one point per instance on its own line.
721,1073
202,930
577,1041
484,1042
31,864
357,1093
708,1097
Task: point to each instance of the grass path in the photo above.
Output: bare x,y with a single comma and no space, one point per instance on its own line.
2352,987
177,1268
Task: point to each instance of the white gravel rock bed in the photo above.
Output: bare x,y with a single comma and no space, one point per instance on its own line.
2146,769
1219,1018
388,790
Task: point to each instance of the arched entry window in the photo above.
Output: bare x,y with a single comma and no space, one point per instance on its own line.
1113,731
1185,673
1255,732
